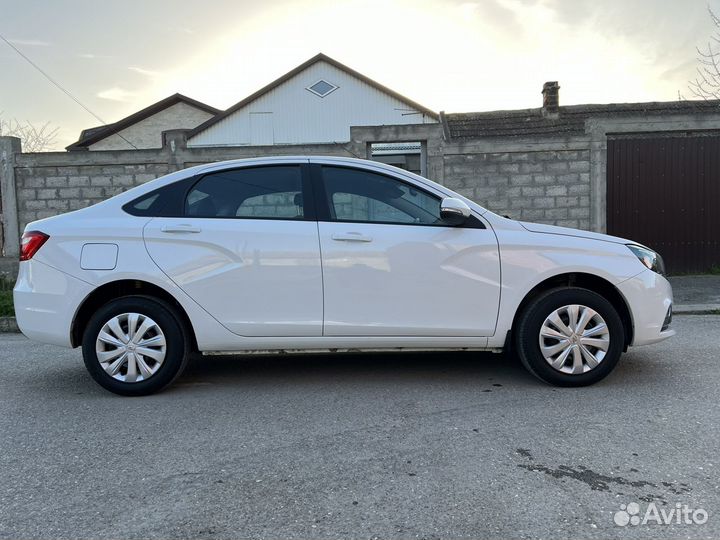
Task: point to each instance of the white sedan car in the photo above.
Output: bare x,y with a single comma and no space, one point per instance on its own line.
327,254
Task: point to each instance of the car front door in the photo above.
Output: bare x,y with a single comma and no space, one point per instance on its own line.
246,250
392,267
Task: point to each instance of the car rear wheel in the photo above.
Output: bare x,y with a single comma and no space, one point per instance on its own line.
135,346
570,337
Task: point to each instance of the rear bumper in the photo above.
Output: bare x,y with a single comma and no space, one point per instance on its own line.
649,297
46,300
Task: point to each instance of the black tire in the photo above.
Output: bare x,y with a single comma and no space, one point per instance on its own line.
176,339
529,324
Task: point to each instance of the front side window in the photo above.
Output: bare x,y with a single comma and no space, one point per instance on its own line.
261,192
364,196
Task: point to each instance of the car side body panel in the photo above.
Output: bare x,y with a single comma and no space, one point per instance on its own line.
69,233
53,285
44,299
409,280
257,277
528,259
649,296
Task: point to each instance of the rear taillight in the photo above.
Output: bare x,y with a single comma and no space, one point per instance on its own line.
30,242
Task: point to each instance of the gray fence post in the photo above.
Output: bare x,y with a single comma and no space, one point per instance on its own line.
9,146
175,144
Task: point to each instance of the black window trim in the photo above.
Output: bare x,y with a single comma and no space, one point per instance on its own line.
309,204
182,188
322,204
172,207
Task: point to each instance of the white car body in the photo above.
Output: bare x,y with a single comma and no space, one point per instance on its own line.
259,285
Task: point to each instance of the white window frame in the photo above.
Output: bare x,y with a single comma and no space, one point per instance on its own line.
318,94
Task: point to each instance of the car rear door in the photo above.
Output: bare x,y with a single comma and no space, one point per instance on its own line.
391,267
246,250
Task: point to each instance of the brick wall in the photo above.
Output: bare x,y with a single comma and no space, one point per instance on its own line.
545,186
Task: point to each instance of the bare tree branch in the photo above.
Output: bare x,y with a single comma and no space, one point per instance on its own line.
34,138
706,84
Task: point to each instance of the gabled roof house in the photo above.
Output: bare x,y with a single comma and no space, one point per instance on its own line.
316,102
144,128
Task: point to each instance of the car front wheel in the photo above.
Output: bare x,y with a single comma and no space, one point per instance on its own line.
135,346
570,337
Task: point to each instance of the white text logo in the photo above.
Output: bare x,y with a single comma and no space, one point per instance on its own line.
680,514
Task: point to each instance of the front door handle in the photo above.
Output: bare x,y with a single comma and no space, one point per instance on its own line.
181,228
351,237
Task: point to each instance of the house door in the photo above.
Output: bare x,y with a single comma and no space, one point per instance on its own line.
261,129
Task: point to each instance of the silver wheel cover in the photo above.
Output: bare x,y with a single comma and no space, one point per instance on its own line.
574,339
130,347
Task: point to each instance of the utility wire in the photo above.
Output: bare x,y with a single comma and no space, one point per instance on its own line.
57,84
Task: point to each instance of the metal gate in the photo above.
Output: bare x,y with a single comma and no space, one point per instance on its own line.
664,191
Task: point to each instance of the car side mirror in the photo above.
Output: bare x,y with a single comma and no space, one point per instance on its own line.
454,211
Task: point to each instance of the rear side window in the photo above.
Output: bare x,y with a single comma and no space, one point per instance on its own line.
163,202
146,204
261,193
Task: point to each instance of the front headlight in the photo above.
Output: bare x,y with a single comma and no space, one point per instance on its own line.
649,258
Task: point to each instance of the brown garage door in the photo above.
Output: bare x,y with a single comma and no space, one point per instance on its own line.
664,191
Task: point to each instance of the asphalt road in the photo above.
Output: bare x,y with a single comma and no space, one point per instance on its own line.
387,446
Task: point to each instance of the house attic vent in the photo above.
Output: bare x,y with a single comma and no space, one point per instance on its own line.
322,88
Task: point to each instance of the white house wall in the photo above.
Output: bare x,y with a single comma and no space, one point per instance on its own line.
300,117
148,132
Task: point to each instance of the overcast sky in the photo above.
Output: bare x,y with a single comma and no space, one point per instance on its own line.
454,55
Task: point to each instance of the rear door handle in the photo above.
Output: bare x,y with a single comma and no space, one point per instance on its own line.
180,228
351,237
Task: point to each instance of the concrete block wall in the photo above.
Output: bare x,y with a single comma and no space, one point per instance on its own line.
544,180
556,178
541,185
51,183
46,190
547,181
275,205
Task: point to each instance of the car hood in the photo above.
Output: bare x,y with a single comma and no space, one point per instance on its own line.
566,231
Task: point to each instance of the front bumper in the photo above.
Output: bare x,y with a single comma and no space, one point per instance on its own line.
46,300
649,297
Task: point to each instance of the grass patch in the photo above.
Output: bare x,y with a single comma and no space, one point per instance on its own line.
714,270
6,299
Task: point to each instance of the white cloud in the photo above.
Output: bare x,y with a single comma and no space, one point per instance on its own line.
30,42
116,94
143,71
92,56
